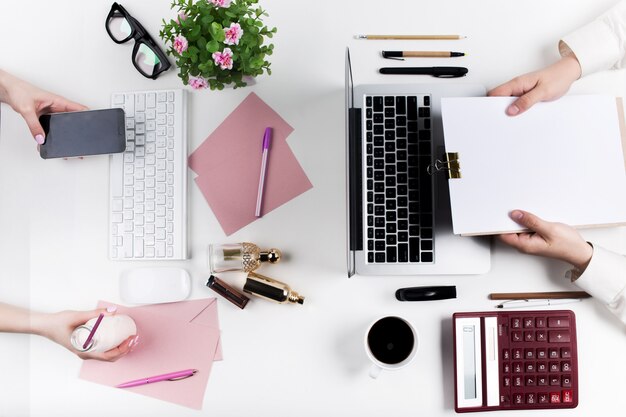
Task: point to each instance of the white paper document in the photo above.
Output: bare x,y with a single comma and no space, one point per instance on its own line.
562,160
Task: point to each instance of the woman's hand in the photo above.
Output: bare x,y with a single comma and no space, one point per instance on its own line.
547,84
552,240
31,102
58,327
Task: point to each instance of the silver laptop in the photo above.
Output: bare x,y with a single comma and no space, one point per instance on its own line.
399,220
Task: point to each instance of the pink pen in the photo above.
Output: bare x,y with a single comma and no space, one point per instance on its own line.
266,146
93,331
172,376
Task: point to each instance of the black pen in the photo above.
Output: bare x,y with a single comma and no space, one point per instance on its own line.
441,72
420,54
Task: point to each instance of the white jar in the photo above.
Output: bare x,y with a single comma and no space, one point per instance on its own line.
112,331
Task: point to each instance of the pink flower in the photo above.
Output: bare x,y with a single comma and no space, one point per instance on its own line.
198,83
181,16
221,3
233,34
224,59
180,44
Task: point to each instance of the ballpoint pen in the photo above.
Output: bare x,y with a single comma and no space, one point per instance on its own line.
266,145
420,54
410,37
536,303
537,295
172,376
440,72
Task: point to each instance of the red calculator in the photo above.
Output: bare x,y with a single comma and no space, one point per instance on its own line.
516,360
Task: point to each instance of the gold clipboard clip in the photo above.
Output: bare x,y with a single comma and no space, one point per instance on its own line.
450,164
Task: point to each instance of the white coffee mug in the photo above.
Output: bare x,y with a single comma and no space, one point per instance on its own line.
391,343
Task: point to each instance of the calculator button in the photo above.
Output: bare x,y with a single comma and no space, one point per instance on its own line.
530,367
553,353
555,380
531,398
567,396
542,353
506,354
566,381
542,380
529,336
558,322
530,381
516,323
542,367
555,397
566,353
506,368
518,399
516,336
517,381
517,353
543,398
506,381
559,336
566,366
554,367
504,400
540,322
529,353
517,367
529,323
541,336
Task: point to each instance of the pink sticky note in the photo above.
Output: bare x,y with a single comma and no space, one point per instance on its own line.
228,165
170,340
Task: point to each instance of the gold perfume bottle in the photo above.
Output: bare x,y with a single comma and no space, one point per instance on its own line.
270,289
239,257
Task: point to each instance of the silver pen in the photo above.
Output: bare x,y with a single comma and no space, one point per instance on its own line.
536,303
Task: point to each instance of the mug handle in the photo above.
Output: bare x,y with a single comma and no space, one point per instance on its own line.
375,371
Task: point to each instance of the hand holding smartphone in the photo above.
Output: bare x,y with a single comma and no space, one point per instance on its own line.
83,133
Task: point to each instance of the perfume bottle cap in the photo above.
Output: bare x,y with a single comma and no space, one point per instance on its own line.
272,256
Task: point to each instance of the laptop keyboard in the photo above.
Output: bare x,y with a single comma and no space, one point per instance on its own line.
399,202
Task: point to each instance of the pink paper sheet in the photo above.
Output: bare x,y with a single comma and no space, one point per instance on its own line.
172,337
228,165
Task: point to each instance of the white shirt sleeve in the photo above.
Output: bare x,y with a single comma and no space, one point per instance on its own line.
605,279
601,44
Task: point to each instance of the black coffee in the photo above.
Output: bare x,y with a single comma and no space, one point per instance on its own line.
391,340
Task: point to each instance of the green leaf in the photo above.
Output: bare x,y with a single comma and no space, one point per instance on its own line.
212,46
217,32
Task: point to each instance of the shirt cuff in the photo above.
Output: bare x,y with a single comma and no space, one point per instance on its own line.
605,276
595,45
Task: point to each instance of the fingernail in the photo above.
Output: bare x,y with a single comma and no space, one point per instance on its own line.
512,110
133,343
111,309
39,139
517,215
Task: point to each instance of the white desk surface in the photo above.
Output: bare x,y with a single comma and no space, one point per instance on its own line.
280,360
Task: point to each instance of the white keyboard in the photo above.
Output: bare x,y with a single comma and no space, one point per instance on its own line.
148,182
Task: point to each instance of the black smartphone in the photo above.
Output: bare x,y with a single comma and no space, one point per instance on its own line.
83,133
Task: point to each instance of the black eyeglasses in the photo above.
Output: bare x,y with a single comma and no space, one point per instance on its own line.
147,57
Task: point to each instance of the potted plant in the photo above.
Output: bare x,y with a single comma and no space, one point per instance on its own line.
218,42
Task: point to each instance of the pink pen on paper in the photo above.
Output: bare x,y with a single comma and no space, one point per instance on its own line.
266,146
93,331
172,376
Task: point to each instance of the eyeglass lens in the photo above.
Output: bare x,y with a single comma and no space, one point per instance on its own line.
119,27
147,60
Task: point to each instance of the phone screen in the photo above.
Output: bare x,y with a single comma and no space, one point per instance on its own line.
92,132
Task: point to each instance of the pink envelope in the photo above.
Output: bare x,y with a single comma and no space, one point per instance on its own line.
172,337
228,165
